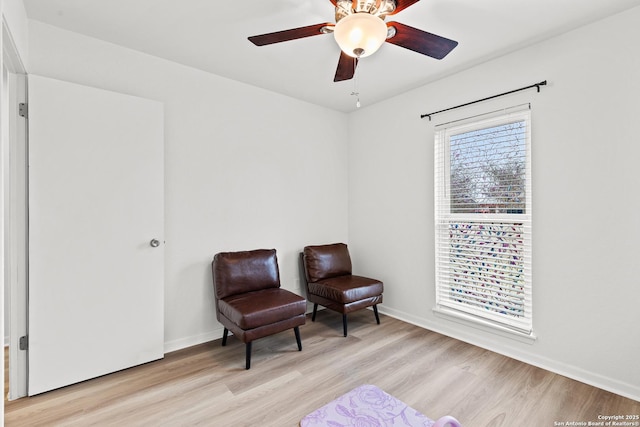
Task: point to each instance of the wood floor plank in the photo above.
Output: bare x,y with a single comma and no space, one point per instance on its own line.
208,385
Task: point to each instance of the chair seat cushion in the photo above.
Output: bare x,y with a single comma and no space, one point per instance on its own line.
258,308
346,289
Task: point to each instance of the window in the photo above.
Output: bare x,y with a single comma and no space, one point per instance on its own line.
483,220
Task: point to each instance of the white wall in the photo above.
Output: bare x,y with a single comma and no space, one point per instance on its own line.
239,165
15,18
585,199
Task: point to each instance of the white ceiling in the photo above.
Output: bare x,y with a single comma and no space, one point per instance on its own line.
212,36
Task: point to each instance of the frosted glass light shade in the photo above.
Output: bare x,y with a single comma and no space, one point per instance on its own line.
360,34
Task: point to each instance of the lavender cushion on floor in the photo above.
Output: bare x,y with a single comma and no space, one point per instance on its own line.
366,406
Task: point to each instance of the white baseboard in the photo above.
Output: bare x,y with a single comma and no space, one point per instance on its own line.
193,340
214,334
631,391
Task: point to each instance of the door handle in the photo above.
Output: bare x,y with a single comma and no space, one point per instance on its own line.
154,243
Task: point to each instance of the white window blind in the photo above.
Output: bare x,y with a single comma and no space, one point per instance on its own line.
483,219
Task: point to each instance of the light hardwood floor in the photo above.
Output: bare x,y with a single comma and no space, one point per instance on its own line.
208,385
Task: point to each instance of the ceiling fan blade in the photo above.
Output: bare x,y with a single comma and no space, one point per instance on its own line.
403,4
420,41
286,35
346,67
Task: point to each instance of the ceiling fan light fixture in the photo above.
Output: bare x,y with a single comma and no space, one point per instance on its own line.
360,34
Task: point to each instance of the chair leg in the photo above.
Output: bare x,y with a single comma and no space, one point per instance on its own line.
224,337
315,308
296,330
344,324
375,311
248,355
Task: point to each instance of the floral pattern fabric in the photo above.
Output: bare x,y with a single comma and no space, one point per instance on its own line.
366,406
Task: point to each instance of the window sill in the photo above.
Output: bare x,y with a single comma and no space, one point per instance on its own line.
484,325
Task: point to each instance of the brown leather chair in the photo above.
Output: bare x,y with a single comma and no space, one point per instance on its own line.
249,300
327,273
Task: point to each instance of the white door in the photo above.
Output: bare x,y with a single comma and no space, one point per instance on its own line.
96,186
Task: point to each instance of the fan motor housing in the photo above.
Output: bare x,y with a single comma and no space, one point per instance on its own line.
379,8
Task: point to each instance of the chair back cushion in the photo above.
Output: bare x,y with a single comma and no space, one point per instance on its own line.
326,261
240,272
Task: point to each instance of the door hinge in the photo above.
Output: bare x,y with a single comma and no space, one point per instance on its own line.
23,110
24,342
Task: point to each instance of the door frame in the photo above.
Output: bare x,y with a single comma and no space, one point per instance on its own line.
15,215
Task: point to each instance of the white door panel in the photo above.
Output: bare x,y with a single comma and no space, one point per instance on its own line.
96,185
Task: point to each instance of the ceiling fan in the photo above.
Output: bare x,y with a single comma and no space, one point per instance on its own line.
360,30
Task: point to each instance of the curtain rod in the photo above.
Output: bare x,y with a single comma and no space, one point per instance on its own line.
536,85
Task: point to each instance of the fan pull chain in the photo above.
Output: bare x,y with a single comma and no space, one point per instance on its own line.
355,86
357,99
